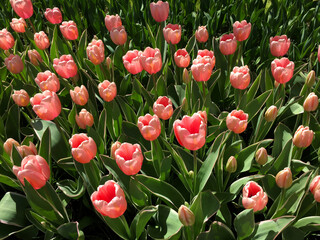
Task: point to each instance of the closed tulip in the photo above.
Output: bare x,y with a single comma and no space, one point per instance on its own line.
25,150
237,121
279,45
114,148
231,165
18,25
163,107
151,60
149,127
159,11
41,40
21,97
261,156
107,90
118,35
84,119
83,148
6,39
53,15
241,30
228,44
311,103
14,64
253,197
172,33
284,178
191,131
311,78
271,113
129,158
132,62
69,30
109,200
186,216
8,145
303,137
95,52
34,57
79,95
315,188
240,77
185,76
282,70
23,8
182,58
201,69
112,21
34,169
208,55
65,66
47,81
202,34
46,105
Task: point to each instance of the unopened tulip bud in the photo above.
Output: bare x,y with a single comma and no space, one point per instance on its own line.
311,78
114,148
185,76
191,174
303,137
109,62
311,103
185,105
8,145
261,156
284,178
271,113
231,166
186,216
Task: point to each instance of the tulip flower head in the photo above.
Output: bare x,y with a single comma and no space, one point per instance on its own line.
47,81
34,57
41,40
279,45
172,33
237,121
163,107
282,70
107,90
159,11
25,150
65,66
151,60
241,30
6,39
8,145
84,119
14,64
271,113
18,25
149,127
311,103
303,137
284,178
315,188
253,197
201,69
114,147
240,77
46,105
182,58
132,62
69,30
186,216
202,34
79,95
95,52
208,55
228,44
53,15
83,148
118,35
261,156
21,97
112,21
23,8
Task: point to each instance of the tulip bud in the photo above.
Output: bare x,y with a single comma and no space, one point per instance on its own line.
114,148
186,216
284,178
261,156
311,78
271,113
315,188
21,98
311,103
109,62
8,145
191,174
185,105
231,166
303,137
185,76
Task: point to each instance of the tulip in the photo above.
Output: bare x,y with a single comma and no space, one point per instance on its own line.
114,148
83,148
271,113
186,216
107,90
95,52
185,76
23,8
284,178
112,21
65,66
27,150
228,44
191,131
108,62
21,98
34,169
261,156
231,165
18,25
14,64
8,145
254,197
54,15
129,158
208,55
41,40
237,121
132,62
151,60
118,35
84,119
109,200
6,39
149,127
79,95
46,105
315,188
282,70
279,45
240,77
311,103
163,107
201,69
172,33
182,58
241,30
47,81
69,30
202,34
303,137
311,78
34,57
159,11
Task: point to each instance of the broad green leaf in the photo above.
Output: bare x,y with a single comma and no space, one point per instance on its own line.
54,53
311,223
217,231
71,231
253,107
141,219
13,123
72,189
282,135
119,226
45,146
82,45
9,181
293,233
244,223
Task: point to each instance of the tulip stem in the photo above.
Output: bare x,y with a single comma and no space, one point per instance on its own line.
195,165
226,180
154,84
204,93
23,79
103,71
283,191
306,119
32,26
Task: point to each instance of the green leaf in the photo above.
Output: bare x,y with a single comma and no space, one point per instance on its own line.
137,196
282,135
311,223
190,44
82,45
244,223
283,160
9,181
118,226
249,96
45,146
157,156
54,53
253,107
293,233
72,189
217,231
141,219
13,123
71,231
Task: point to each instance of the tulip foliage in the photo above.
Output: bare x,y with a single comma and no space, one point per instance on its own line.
167,120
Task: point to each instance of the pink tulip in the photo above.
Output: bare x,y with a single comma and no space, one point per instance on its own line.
202,34
84,119
315,188
118,35
112,21
237,121
41,40
14,64
8,145
114,148
132,62
34,57
282,70
151,60
25,150
109,200
149,127
69,30
240,77
18,25
47,81
182,58
54,15
191,131
261,156
271,113
129,158
303,137
6,39
163,107
186,216
279,45
79,95
208,55
95,52
241,30
159,11
228,44
107,90
65,66
201,69
23,8
311,103
83,148
284,178
254,197
172,33
46,105
34,169
21,98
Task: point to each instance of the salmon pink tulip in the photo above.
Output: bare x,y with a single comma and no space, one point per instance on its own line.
240,77
112,21
202,34
209,55
284,178
69,30
311,103
34,57
201,69
18,25
23,8
6,39
303,137
53,15
159,11
132,62
95,52
172,33
14,64
241,30
83,148
65,66
41,40
84,119
237,121
315,188
118,35
47,81
107,90
163,107
279,45
282,70
21,97
253,197
46,105
182,58
149,127
228,44
79,95
151,60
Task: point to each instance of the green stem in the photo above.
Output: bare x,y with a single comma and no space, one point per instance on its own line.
23,79
226,180
306,119
154,84
283,191
195,165
103,71
204,93
34,30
